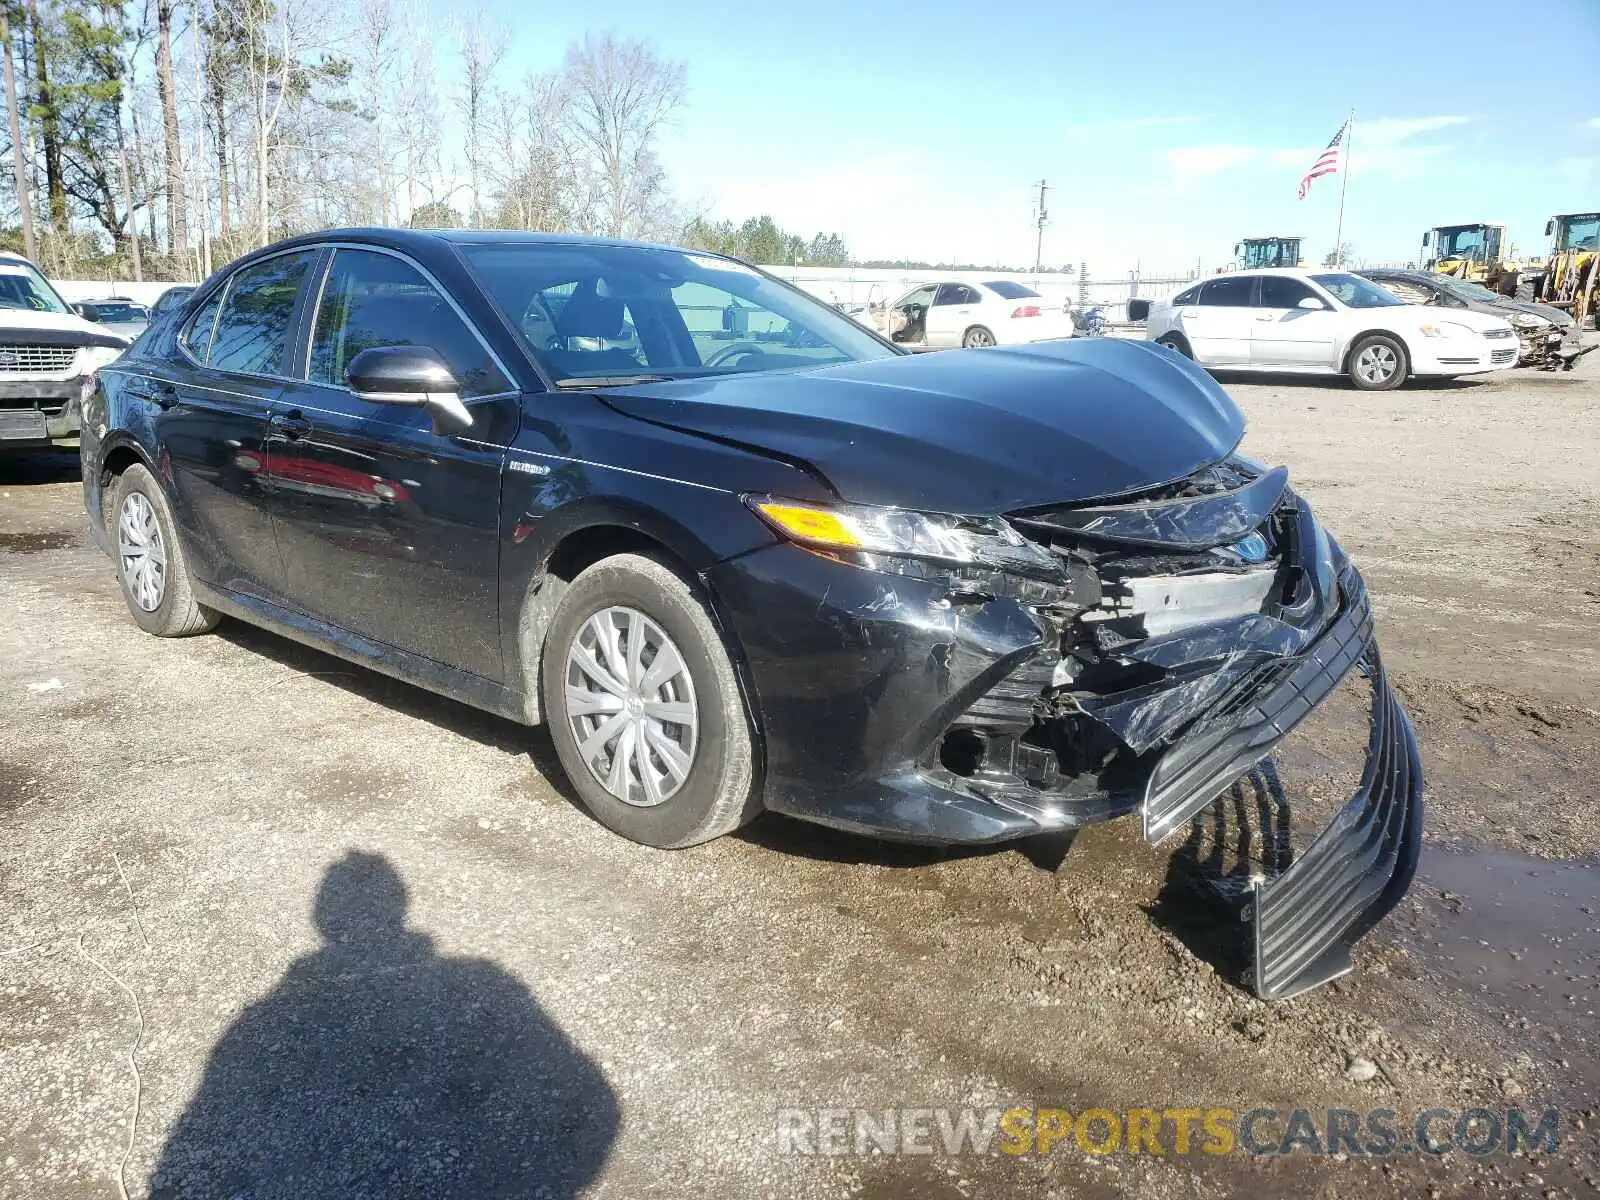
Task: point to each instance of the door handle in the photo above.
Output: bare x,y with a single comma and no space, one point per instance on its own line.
293,424
156,391
1268,319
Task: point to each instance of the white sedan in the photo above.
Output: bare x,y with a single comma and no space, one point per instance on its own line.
997,312
1326,323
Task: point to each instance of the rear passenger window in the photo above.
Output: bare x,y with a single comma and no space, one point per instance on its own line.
253,326
197,333
1188,296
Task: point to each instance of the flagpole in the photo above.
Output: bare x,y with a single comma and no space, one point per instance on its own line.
1344,182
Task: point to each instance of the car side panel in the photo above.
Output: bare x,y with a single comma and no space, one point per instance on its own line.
579,469
388,529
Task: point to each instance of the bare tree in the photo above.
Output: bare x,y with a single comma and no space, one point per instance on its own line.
19,169
177,223
621,96
482,48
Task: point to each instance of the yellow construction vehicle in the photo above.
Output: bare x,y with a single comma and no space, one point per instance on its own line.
1570,276
1478,253
1267,252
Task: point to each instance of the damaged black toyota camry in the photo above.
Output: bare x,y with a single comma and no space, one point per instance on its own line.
741,554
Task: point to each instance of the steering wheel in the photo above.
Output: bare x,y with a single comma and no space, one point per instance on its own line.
731,351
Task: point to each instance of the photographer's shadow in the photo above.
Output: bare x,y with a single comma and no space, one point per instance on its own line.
379,1067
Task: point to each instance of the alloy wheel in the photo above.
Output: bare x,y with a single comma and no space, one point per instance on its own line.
631,706
142,551
979,339
1377,363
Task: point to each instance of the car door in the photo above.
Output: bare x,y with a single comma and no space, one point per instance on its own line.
953,311
211,402
389,529
1285,335
908,317
1218,325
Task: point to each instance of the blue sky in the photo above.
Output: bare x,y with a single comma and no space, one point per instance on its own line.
1167,129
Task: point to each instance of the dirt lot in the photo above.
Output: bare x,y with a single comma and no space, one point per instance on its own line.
274,876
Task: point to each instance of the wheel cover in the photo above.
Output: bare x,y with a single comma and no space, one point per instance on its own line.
142,551
1377,364
631,706
980,338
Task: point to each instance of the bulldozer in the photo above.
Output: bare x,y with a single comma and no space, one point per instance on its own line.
1267,252
1477,253
1570,276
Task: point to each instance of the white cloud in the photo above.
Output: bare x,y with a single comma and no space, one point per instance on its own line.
1188,167
1094,129
1591,123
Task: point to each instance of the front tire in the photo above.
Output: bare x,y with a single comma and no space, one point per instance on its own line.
977,338
150,566
1378,363
1175,343
644,708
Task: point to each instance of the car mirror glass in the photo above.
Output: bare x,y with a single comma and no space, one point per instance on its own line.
1311,304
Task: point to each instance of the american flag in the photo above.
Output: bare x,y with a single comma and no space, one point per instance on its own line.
1327,162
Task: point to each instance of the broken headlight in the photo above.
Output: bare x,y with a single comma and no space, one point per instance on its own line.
861,529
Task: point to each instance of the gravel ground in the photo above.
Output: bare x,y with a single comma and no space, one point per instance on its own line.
361,942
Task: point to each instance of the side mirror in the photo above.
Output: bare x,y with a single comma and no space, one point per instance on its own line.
1550,227
1138,310
1312,304
1425,238
412,376
87,313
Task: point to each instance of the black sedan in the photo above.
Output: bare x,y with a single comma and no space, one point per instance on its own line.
741,554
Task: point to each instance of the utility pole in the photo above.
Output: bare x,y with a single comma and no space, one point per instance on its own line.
1042,216
18,167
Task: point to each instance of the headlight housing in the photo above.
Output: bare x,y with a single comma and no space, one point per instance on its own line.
1526,321
1447,329
92,358
881,537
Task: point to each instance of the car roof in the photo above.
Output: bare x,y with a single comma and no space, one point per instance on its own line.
414,238
1296,272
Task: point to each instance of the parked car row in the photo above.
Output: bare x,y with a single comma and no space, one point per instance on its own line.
1295,321
50,350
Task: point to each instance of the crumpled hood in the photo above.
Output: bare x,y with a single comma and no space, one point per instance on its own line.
969,431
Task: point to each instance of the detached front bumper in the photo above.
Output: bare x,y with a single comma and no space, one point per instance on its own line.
857,676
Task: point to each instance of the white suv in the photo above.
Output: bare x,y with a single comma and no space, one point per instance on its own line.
1325,323
48,357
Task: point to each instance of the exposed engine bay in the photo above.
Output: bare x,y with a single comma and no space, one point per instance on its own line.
1171,604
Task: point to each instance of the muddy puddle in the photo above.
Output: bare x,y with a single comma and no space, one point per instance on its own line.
1520,932
33,543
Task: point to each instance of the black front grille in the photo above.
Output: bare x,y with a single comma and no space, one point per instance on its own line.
1501,357
36,360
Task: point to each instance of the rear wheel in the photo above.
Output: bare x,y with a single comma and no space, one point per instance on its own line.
1377,363
1175,343
644,709
977,338
150,566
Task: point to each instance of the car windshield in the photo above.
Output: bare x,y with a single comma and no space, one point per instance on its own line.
23,287
592,312
1007,290
117,311
1462,289
1355,292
